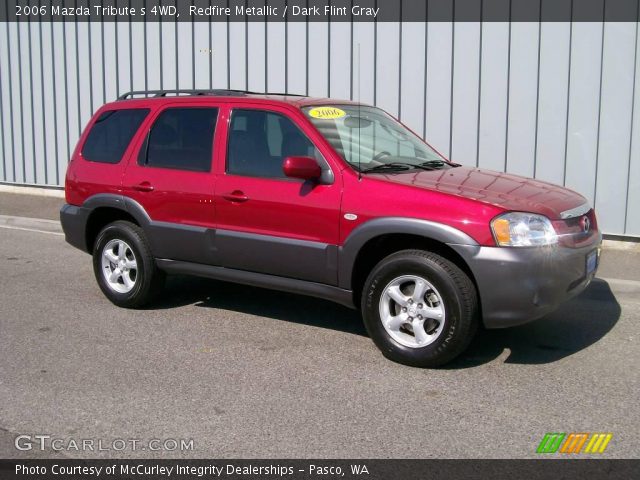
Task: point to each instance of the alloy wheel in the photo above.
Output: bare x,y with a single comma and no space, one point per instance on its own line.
412,311
119,266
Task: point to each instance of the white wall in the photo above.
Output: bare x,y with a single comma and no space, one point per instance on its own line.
554,100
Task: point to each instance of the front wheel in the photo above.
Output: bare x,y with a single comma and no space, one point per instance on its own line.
124,267
419,308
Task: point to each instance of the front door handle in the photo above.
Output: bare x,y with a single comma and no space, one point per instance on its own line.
143,187
237,196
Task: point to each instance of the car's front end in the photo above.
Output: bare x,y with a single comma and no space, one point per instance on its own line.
532,269
532,244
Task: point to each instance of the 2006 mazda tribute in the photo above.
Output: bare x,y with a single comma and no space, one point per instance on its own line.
326,198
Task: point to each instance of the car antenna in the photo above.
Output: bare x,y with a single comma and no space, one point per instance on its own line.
359,118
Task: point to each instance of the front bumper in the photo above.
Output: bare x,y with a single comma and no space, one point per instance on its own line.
517,285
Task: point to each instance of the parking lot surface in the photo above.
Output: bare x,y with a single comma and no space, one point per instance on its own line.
247,372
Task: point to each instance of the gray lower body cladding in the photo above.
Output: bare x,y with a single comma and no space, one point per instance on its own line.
256,279
74,225
517,285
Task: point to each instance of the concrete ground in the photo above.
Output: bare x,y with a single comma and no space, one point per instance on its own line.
247,372
31,206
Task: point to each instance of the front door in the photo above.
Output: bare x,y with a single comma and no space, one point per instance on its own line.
267,222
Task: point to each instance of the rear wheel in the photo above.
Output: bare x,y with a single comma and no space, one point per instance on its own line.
419,308
124,267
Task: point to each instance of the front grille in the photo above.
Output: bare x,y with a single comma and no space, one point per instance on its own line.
578,231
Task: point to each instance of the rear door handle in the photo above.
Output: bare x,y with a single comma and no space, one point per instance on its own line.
236,196
143,187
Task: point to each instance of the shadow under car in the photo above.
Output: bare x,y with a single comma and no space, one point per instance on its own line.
576,325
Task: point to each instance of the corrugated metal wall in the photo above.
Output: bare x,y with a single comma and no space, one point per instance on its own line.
552,100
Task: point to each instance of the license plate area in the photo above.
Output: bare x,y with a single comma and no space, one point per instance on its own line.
592,262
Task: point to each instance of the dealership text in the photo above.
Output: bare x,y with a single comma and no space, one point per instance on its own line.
212,470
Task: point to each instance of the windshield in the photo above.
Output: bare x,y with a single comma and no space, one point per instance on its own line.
372,141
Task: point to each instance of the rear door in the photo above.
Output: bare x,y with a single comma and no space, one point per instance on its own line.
171,177
267,222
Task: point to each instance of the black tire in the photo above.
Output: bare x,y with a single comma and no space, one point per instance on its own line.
458,295
148,281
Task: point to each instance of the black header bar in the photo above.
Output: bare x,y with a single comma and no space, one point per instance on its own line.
230,469
320,10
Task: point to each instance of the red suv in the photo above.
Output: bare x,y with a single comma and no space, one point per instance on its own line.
326,198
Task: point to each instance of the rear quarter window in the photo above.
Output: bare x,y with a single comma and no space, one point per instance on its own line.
111,134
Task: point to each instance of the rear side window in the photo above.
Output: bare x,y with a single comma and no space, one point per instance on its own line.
181,138
111,134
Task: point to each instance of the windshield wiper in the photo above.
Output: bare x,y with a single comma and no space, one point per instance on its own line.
433,164
398,166
402,166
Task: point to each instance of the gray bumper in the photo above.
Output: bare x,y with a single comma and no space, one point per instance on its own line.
517,285
74,225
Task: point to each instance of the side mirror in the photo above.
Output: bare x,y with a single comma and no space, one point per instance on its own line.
305,168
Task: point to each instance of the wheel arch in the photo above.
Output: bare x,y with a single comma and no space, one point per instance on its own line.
107,208
372,241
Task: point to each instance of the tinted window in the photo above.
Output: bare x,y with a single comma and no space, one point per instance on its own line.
367,137
111,134
181,138
259,142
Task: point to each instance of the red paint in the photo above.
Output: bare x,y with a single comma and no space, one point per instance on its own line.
301,167
464,198
284,207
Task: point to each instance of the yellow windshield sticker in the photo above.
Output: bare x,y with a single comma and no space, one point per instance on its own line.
327,113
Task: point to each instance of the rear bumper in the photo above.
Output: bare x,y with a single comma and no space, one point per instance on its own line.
517,285
74,225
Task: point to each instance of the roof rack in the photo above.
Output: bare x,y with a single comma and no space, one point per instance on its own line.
215,93
164,93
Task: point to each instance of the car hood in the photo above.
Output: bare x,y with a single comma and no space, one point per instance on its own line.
504,190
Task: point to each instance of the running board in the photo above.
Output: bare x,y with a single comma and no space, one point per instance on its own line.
263,280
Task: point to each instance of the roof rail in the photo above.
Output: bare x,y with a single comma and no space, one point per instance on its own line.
164,93
215,93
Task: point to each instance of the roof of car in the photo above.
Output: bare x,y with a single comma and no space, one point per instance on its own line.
235,95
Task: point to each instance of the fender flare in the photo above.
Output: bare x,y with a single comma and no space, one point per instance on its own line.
164,238
119,202
366,231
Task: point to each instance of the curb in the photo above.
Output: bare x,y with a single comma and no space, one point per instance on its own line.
621,285
624,245
37,191
31,224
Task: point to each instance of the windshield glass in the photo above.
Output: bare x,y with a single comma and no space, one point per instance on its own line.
372,141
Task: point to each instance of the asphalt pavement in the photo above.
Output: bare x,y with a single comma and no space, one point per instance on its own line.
246,372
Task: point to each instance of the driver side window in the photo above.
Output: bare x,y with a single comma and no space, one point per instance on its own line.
259,141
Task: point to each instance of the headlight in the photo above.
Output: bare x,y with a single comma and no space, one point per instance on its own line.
519,229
